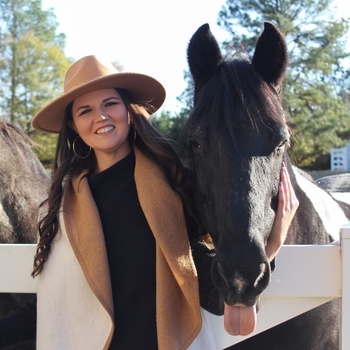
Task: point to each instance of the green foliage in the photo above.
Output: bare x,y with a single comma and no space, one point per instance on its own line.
32,64
176,123
172,127
186,98
316,92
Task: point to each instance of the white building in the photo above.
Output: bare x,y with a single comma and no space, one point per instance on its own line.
340,158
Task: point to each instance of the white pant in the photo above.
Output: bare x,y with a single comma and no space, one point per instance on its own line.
207,337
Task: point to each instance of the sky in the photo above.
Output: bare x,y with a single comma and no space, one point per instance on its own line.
145,36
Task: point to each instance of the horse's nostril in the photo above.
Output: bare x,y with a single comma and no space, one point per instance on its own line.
262,273
222,280
264,276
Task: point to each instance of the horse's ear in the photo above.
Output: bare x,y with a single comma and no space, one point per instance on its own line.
203,55
270,57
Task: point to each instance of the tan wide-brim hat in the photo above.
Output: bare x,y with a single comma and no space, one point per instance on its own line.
89,74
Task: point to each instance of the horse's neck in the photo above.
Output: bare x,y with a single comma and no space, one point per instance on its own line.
319,218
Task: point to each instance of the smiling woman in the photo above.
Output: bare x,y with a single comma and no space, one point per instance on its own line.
122,203
101,119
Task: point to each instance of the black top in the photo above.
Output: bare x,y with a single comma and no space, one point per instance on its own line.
131,254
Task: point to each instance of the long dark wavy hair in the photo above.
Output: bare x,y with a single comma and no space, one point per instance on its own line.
66,165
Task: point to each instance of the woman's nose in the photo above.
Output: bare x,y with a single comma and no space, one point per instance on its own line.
102,115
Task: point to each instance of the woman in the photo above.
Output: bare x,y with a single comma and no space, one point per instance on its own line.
113,263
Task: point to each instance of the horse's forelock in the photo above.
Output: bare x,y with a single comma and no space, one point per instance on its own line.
237,87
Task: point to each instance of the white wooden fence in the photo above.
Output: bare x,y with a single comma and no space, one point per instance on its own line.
306,276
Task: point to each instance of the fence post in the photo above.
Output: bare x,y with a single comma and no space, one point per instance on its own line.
345,312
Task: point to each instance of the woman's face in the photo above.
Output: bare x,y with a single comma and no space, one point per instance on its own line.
101,120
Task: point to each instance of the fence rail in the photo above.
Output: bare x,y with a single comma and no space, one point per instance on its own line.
306,276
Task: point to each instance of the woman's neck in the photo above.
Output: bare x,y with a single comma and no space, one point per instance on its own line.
106,160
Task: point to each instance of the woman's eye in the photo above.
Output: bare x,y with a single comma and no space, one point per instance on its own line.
109,104
85,111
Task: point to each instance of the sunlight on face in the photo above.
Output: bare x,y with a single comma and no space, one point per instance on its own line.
101,120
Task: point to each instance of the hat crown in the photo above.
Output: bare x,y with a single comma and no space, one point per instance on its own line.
86,69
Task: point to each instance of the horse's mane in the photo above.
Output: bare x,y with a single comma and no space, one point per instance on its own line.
16,144
14,135
236,87
23,182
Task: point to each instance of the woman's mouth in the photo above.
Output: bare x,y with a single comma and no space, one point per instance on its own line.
104,130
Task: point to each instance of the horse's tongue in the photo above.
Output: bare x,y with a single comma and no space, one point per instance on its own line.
240,320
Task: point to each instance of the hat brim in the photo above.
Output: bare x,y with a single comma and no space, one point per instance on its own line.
142,87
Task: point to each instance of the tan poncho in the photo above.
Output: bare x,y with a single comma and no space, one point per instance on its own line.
75,307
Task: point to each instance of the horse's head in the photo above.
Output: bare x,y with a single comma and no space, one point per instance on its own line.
237,136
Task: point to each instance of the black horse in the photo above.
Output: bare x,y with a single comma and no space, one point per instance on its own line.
238,137
23,186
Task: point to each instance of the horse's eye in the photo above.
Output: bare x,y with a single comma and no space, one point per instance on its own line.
280,148
197,139
196,146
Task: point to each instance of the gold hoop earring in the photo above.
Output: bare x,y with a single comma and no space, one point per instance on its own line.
75,152
129,119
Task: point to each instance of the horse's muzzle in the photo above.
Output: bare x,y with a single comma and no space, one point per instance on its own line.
241,286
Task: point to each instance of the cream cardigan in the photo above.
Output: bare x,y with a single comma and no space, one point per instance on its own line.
75,308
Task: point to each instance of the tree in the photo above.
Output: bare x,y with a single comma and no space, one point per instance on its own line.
186,97
32,62
171,127
316,94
